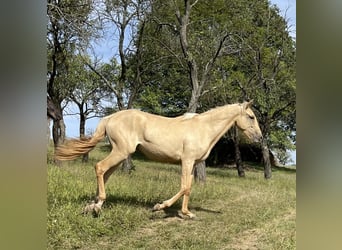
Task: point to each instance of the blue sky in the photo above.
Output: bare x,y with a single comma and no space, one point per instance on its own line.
287,7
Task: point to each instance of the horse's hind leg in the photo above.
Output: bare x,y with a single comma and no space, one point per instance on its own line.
106,176
103,170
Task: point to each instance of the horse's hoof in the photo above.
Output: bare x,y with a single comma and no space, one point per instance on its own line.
97,209
191,215
93,208
157,207
186,215
89,208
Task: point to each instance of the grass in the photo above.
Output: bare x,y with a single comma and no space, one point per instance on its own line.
232,212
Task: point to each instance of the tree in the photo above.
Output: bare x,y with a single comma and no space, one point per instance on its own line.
199,44
87,92
122,76
231,51
52,113
176,48
193,69
270,55
68,27
238,161
265,71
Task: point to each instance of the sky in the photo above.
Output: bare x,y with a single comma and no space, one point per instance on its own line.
287,8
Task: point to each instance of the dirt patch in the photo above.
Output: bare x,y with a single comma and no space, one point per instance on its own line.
249,239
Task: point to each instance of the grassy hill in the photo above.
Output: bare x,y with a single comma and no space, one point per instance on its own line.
232,212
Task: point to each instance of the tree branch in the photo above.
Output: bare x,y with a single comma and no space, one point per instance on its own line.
108,83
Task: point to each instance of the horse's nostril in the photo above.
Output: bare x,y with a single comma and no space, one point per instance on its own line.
258,138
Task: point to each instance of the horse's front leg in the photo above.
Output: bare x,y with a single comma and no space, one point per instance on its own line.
168,203
186,181
185,209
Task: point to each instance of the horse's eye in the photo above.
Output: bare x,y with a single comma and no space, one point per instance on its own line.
251,116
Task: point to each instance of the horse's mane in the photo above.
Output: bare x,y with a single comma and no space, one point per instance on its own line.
188,115
218,109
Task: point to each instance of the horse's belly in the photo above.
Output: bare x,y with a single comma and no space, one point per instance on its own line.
159,153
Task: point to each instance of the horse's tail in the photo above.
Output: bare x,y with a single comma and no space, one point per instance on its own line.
76,147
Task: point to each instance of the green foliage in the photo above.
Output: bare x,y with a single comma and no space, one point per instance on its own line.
88,89
232,212
166,84
264,70
169,99
68,29
257,61
111,73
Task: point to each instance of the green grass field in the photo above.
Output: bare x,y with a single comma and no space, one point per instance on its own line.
232,212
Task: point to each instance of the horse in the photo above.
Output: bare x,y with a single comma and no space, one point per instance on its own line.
186,139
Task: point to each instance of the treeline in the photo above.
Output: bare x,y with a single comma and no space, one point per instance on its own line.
171,57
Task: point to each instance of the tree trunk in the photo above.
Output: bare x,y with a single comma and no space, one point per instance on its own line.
58,132
183,21
58,135
238,161
199,168
266,160
127,165
200,174
85,157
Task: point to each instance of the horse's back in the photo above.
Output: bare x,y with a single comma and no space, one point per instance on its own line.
143,124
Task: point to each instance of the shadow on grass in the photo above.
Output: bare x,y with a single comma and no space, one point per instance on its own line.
174,212
285,169
116,199
207,210
248,167
170,212
258,167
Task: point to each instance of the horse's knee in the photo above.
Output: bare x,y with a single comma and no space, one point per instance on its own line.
98,170
187,191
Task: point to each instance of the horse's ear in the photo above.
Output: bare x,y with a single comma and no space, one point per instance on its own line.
247,104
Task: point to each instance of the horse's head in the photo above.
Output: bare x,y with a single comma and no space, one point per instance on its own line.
248,123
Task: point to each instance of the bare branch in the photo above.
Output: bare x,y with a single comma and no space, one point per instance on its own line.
192,5
107,82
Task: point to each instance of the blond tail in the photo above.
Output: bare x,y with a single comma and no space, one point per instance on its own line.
76,147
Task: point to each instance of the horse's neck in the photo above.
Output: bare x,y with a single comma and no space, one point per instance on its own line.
222,118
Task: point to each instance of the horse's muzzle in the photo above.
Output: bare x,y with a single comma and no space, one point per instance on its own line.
257,138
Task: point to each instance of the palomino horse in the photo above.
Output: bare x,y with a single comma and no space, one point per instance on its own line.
187,139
